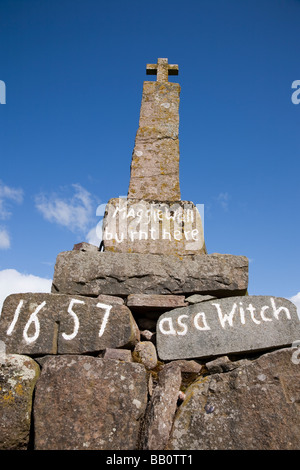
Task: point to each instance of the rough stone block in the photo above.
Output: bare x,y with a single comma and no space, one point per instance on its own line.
139,226
110,299
229,325
253,407
88,403
121,274
145,353
18,376
39,324
155,302
83,246
197,298
118,354
162,407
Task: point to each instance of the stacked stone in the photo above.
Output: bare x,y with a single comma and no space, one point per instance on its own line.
152,328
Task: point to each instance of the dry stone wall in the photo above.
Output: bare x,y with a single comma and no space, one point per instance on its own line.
81,372
151,344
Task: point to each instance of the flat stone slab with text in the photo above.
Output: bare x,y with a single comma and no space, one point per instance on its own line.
37,324
227,326
131,226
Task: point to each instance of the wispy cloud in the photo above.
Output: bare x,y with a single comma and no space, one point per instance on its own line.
223,200
4,239
14,282
296,300
8,195
74,212
94,236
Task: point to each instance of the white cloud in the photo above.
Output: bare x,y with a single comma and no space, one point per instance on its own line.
223,200
7,195
296,300
92,237
4,239
14,282
75,212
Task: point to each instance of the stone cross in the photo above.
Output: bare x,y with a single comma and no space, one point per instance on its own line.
153,218
162,69
155,160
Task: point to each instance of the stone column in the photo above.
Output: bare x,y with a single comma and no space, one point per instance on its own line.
153,219
155,159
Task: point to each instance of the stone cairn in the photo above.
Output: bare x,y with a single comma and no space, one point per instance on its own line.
150,343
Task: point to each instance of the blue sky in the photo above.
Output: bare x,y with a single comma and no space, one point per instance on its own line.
74,71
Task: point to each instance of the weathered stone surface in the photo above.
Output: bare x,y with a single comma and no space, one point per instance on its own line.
155,301
223,364
121,274
118,354
253,407
229,325
110,299
197,298
147,335
88,403
38,324
145,353
18,375
155,159
139,226
161,409
188,366
190,371
83,246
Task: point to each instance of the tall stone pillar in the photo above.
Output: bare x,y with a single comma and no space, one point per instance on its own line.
155,159
153,219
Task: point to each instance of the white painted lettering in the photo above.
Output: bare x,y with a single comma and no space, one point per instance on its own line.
166,233
204,325
145,234
75,319
160,214
262,313
276,311
117,238
186,232
33,319
15,319
242,314
132,235
168,321
177,235
107,309
107,235
183,325
152,230
252,310
194,233
225,318
117,209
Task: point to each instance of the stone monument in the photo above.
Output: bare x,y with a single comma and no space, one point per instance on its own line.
153,219
135,340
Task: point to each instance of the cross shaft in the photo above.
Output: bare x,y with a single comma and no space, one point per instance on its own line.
162,69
